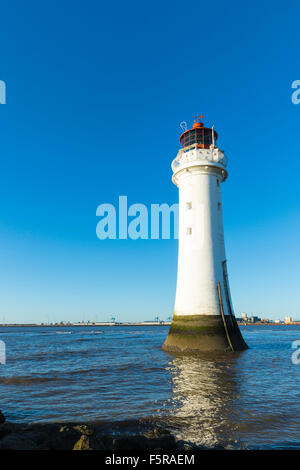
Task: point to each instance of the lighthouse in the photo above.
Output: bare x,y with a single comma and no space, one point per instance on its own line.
203,317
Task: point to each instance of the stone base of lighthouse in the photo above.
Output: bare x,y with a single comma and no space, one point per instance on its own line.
193,333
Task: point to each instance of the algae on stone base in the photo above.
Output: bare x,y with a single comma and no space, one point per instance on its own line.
192,333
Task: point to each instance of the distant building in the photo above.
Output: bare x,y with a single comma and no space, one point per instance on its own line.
244,316
288,320
277,321
254,319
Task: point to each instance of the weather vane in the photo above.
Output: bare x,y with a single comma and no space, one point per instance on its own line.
198,117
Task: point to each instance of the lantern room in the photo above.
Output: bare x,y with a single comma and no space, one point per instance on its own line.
199,135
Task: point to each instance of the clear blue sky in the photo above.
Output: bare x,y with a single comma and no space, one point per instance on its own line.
95,94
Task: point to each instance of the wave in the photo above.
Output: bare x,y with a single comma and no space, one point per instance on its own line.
26,380
48,356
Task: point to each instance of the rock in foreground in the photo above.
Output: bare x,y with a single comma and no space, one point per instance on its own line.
74,436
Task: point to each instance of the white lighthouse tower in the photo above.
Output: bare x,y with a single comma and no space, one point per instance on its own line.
203,315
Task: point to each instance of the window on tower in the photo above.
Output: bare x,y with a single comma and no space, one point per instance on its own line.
202,136
188,205
189,230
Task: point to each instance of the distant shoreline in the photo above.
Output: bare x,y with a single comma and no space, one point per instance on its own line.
162,323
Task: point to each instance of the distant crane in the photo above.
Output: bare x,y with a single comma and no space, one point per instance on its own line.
115,319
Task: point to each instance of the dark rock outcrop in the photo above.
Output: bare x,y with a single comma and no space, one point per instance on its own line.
17,442
74,436
2,418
